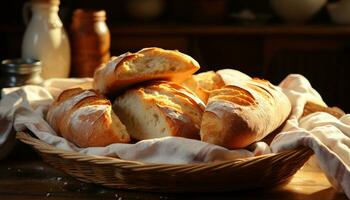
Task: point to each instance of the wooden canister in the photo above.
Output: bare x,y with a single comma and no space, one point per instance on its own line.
90,41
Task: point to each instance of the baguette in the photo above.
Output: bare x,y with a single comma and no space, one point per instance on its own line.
147,64
160,109
86,118
245,110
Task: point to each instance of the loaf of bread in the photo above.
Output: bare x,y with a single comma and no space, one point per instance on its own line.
146,64
86,118
201,84
159,109
243,111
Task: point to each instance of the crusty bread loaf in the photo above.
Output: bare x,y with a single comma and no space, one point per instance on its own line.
86,118
243,111
146,64
159,109
232,76
201,84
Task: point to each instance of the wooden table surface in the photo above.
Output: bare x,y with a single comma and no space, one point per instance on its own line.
33,179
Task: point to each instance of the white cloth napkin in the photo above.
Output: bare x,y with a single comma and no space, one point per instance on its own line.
327,136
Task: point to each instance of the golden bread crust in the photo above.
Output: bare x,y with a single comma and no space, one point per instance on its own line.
85,118
244,111
147,64
171,110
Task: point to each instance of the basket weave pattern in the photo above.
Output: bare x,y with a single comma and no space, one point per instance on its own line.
261,171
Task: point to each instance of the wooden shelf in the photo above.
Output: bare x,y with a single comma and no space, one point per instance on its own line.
176,29
194,29
271,51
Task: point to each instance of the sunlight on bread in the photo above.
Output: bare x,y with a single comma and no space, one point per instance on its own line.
155,94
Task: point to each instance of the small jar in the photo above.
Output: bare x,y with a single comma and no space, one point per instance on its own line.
90,41
18,72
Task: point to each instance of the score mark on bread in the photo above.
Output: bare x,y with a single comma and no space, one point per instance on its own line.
160,109
243,111
86,118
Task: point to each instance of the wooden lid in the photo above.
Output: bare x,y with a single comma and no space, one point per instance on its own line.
88,14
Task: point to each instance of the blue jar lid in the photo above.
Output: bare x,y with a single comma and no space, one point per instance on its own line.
21,66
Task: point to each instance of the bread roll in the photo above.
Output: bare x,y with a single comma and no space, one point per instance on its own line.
86,119
160,109
147,64
243,112
201,84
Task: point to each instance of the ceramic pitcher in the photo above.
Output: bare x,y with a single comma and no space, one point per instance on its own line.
45,38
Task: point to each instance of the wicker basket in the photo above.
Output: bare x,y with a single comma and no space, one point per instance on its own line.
261,171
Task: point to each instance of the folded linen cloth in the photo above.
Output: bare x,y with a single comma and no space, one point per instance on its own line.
328,136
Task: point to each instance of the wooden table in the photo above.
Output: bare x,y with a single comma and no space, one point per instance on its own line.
33,179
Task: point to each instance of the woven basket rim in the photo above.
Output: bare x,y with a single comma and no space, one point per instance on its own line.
43,147
226,175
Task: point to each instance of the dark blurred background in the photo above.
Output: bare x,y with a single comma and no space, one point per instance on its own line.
243,34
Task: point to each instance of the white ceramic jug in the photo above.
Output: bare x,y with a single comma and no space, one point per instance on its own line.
340,11
45,38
